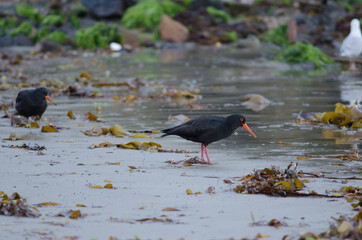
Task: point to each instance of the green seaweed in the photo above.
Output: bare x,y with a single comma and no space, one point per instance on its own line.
278,35
57,37
25,10
98,36
303,52
41,33
348,7
277,2
218,14
9,22
170,8
147,14
156,36
186,3
233,37
53,20
287,2
74,20
24,28
78,8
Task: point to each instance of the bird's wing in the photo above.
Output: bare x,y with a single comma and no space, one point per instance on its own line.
351,46
169,131
200,126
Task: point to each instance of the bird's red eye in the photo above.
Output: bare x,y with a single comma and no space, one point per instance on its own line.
241,119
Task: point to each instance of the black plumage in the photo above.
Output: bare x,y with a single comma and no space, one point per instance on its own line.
32,102
208,129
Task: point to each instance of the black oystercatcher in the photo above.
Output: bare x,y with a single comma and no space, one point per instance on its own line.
32,102
208,129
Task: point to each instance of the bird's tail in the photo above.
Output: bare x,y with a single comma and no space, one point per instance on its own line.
166,132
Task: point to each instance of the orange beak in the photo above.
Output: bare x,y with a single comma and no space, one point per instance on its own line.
49,99
249,130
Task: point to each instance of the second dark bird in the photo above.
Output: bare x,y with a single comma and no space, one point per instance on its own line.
208,129
32,102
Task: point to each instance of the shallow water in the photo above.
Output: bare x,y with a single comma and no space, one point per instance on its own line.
223,76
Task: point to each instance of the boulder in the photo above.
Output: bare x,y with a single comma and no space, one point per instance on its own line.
46,45
130,38
173,31
5,41
21,40
107,8
197,5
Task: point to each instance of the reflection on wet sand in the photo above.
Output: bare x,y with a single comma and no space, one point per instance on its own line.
350,137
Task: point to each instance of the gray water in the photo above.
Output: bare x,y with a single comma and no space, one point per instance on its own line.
224,76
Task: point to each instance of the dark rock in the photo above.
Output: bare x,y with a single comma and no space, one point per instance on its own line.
55,5
107,8
205,30
317,25
197,5
236,8
300,18
324,39
6,41
198,26
315,6
194,21
129,3
3,14
251,46
46,45
21,40
104,8
246,28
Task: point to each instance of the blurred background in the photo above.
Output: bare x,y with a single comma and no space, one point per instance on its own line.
321,23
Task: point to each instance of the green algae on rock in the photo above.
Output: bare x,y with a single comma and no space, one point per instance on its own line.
219,14
233,36
278,35
98,36
147,14
302,53
9,22
24,28
53,20
41,34
57,37
74,20
25,10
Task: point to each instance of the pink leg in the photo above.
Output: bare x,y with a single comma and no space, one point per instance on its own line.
207,156
202,153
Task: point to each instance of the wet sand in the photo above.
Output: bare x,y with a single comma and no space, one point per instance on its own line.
68,167
66,170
